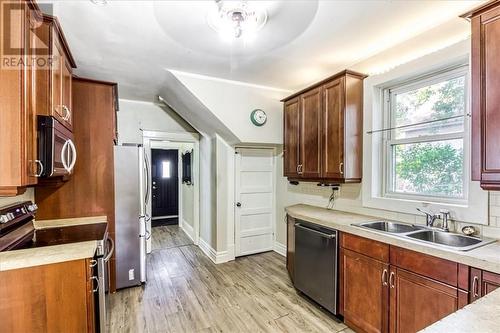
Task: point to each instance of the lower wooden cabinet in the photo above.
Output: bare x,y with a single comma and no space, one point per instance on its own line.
290,246
49,298
482,283
365,292
417,301
390,289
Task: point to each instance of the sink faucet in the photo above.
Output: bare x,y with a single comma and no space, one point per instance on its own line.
431,218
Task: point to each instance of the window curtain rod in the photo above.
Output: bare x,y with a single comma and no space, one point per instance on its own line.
416,124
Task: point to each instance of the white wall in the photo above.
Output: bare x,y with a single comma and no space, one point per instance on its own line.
208,227
135,115
232,102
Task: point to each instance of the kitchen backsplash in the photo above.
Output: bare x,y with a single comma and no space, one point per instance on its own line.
349,200
28,195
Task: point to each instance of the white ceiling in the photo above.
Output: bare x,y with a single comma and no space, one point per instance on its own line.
133,42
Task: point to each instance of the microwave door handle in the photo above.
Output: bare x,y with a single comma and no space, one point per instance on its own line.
73,151
64,156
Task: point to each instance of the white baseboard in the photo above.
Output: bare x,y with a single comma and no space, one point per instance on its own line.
217,257
280,249
188,229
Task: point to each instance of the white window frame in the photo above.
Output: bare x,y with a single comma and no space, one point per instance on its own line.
475,210
389,102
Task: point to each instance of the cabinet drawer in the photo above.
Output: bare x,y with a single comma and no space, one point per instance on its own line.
368,247
435,268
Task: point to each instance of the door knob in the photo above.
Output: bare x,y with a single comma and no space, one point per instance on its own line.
238,204
154,187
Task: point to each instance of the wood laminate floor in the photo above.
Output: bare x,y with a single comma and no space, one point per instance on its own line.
187,292
165,237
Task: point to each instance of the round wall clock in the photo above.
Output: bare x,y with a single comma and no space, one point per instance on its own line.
258,117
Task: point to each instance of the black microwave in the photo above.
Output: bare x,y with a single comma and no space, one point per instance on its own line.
56,149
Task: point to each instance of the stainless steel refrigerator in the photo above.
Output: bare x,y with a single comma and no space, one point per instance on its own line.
131,191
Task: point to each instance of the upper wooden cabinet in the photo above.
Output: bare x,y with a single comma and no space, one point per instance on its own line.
18,88
486,94
55,99
323,130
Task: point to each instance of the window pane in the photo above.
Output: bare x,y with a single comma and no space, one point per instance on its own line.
432,168
437,101
165,166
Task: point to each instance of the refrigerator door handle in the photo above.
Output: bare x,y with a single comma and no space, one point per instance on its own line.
146,165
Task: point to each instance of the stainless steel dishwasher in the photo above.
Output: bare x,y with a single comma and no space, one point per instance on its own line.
316,253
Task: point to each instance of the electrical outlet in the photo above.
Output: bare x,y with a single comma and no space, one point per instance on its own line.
131,274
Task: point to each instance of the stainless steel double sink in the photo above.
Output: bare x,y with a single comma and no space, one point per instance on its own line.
428,235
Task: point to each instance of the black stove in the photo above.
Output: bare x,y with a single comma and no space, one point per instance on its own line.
16,225
18,232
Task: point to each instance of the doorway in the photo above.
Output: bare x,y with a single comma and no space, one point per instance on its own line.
174,190
255,188
165,187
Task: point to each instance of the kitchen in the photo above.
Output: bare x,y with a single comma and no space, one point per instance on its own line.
336,175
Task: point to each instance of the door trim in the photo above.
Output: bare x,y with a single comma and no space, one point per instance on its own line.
238,150
151,137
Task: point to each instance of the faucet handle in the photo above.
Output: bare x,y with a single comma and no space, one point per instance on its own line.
424,212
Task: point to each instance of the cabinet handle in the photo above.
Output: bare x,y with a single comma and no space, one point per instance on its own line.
391,280
39,164
67,113
475,286
384,277
93,263
96,279
341,168
299,169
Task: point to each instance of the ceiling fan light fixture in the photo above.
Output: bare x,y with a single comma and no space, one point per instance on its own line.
236,19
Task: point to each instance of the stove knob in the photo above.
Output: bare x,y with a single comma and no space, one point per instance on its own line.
4,219
32,208
10,216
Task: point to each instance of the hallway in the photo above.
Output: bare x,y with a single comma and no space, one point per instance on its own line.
168,236
186,292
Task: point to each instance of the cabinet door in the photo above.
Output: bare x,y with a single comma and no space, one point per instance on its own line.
290,246
66,94
310,138
365,292
30,88
291,134
57,79
417,301
490,282
486,98
333,130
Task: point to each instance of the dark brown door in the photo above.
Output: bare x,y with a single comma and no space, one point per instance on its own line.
490,282
290,246
165,183
417,301
310,138
333,130
486,98
366,292
291,138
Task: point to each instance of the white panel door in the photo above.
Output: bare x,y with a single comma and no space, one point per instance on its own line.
254,197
